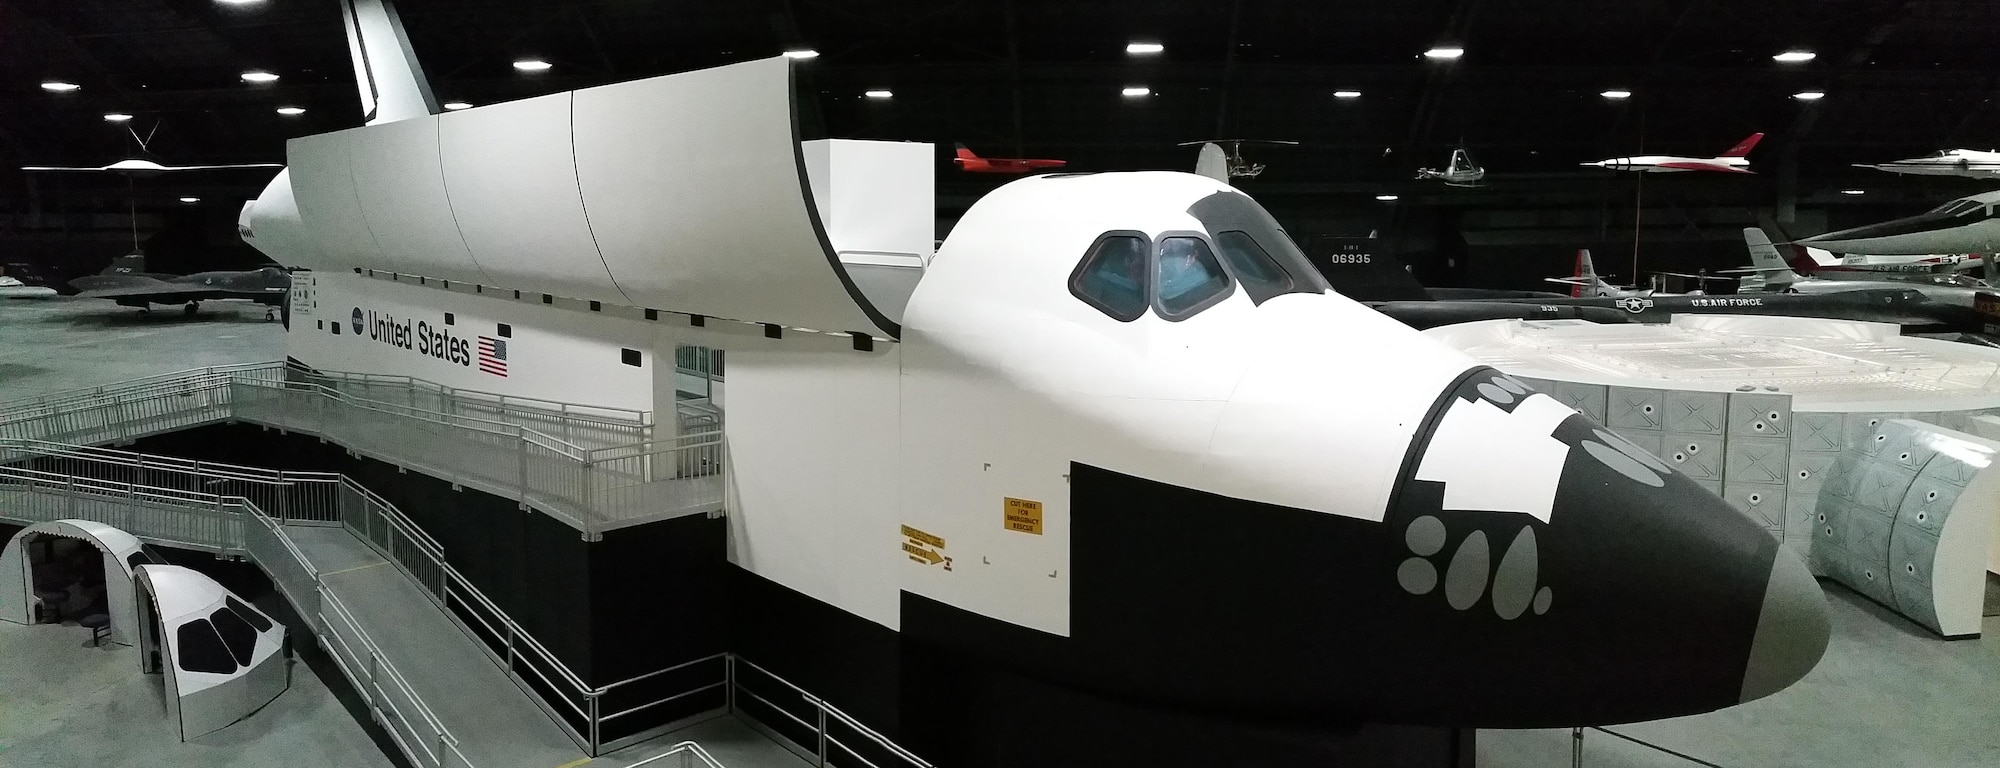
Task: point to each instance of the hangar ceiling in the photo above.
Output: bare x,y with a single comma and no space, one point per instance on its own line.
1043,78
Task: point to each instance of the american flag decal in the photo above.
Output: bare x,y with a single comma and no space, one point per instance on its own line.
493,356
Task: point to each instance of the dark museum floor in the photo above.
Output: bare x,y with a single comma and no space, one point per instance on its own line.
1887,692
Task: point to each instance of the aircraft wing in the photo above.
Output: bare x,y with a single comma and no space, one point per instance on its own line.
222,167
157,292
61,168
1684,165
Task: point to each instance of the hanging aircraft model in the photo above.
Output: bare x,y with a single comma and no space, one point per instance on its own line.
1233,163
1733,161
1965,225
1970,163
1460,172
972,163
1431,515
143,166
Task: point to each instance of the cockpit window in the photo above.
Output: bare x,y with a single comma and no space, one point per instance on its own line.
1260,275
1231,211
1190,279
1113,275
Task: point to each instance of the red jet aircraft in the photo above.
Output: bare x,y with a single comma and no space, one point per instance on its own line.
966,161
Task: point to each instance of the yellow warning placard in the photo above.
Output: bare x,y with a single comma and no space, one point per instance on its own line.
1023,515
916,535
924,549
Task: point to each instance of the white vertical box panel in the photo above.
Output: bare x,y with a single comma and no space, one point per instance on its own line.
699,203
399,178
812,438
510,174
329,206
878,202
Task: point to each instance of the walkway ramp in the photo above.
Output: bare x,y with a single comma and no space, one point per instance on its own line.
495,723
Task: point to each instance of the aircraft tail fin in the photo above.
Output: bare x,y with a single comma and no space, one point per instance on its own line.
392,83
1213,163
964,152
1586,274
1802,261
1743,147
1764,259
128,264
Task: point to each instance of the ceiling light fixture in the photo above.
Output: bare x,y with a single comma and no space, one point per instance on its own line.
802,53
190,200
532,65
58,86
1347,94
1795,56
1616,93
259,76
117,117
1809,95
1446,52
1144,49
1386,198
291,111
1854,191
878,93
457,105
1137,91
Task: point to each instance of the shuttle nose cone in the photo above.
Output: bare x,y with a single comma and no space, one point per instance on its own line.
1792,630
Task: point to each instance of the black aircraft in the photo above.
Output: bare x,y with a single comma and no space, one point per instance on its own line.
1377,280
127,282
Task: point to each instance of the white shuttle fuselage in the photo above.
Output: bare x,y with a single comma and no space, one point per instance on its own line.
1122,436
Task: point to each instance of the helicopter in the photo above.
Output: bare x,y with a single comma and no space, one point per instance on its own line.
1237,167
1460,173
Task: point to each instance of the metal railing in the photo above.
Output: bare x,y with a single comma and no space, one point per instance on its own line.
1576,748
471,438
799,720
812,728
690,754
234,525
594,716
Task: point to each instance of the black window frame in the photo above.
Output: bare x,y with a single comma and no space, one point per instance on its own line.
190,641
1258,294
237,634
1153,269
1145,274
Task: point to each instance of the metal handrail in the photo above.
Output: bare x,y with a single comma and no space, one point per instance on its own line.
687,750
238,543
513,632
633,417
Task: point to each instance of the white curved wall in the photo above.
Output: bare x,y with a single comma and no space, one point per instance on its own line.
511,175
684,193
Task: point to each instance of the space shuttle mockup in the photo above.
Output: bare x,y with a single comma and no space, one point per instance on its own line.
1129,440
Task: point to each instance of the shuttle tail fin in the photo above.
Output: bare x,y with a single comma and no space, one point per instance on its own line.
392,83
1765,261
1213,163
1743,147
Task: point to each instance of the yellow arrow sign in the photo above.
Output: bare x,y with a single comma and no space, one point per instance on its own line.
921,555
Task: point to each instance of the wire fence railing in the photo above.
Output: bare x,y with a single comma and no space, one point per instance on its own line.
490,442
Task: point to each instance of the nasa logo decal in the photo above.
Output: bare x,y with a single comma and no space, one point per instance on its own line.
1635,304
360,324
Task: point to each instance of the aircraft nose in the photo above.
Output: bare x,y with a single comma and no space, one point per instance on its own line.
1792,630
